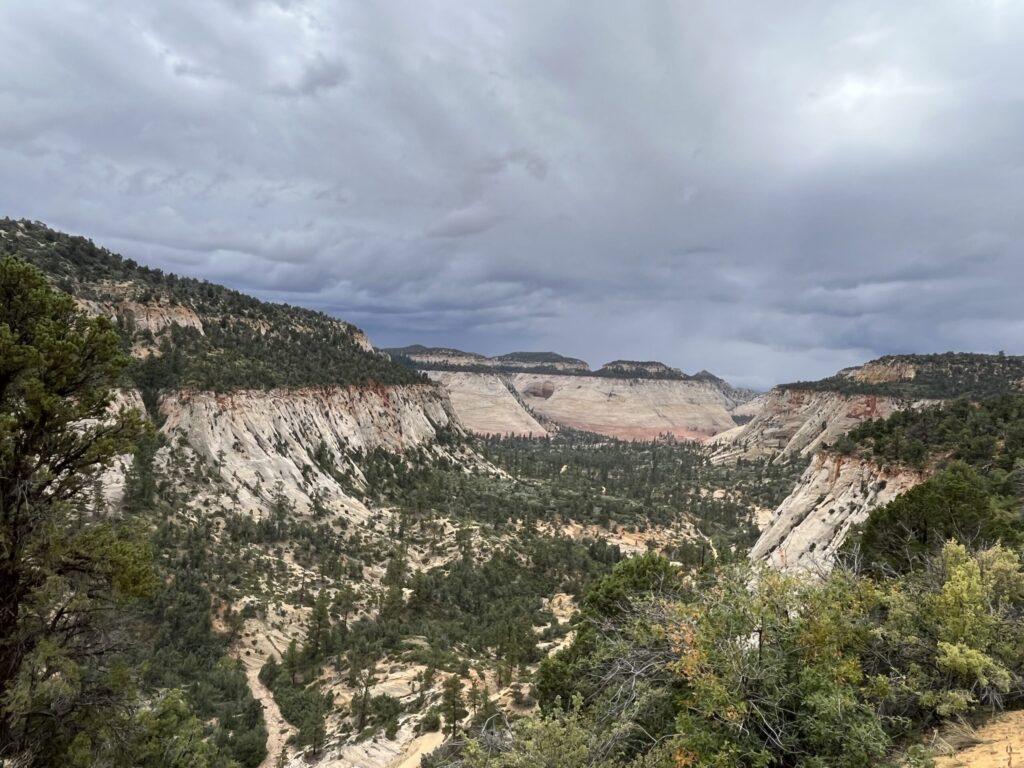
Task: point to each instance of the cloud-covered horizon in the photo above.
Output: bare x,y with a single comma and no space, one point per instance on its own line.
767,192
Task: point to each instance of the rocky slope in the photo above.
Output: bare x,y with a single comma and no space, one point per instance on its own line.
531,393
788,421
305,444
834,493
487,404
629,409
280,399
837,491
803,417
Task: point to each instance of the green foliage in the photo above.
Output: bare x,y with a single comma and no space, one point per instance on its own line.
734,667
773,674
563,739
988,435
952,637
486,609
453,704
302,703
183,652
938,376
644,574
171,736
635,485
954,504
63,572
619,661
244,344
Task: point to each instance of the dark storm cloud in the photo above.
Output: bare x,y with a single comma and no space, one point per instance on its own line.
771,192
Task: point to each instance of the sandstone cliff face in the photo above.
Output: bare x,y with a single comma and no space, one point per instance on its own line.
790,421
629,409
486,406
154,317
882,372
835,493
258,439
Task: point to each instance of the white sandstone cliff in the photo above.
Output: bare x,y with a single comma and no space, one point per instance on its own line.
834,493
788,421
257,439
486,405
629,409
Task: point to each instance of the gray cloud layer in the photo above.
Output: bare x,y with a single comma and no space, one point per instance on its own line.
767,190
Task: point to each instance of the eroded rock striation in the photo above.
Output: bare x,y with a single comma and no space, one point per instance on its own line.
835,493
306,444
629,409
487,404
788,421
533,393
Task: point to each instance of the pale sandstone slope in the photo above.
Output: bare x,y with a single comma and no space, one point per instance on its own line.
835,493
629,409
797,421
258,439
485,405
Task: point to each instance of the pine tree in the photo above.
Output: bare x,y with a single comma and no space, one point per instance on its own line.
452,704
291,663
61,568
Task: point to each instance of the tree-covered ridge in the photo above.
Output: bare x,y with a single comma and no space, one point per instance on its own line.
107,656
542,358
236,341
986,434
931,377
975,452
421,358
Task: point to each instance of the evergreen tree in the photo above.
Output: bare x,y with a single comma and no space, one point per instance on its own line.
453,704
62,566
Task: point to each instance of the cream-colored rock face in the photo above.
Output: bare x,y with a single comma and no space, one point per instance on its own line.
795,421
882,372
153,317
156,318
629,409
834,493
485,404
258,439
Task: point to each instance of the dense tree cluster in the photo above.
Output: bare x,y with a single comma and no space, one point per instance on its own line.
732,667
245,343
84,605
936,377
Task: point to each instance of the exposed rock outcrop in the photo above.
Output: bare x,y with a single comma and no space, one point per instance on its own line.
834,493
257,439
788,421
629,409
486,405
152,317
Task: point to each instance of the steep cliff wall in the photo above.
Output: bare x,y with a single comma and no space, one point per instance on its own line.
789,421
834,493
257,439
629,409
486,406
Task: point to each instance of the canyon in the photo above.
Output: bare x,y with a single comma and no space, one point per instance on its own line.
526,394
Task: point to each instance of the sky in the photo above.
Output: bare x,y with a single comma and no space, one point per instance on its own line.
770,191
